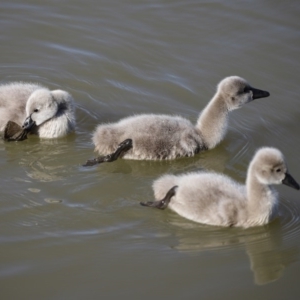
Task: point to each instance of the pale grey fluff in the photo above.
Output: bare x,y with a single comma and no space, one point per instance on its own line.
52,111
157,137
216,199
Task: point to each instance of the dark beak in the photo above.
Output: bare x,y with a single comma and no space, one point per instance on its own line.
290,181
28,123
259,93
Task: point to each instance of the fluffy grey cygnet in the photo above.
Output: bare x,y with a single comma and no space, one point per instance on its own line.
157,137
216,199
49,114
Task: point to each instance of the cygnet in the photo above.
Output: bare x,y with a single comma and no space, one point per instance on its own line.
158,137
49,114
215,199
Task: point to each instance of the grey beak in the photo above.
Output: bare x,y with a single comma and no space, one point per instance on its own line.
28,123
290,181
259,93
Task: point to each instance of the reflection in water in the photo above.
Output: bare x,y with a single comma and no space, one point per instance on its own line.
264,246
42,159
268,257
213,160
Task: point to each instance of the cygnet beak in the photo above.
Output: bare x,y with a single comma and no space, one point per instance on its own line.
290,181
259,93
28,123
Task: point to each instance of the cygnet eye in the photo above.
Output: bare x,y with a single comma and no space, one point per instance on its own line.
246,89
278,170
35,110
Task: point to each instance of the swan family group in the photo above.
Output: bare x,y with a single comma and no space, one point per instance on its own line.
204,197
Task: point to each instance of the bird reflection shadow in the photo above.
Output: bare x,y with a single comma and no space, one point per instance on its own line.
268,256
211,160
264,246
42,159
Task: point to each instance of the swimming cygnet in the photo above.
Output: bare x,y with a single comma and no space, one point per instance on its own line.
49,114
216,199
157,137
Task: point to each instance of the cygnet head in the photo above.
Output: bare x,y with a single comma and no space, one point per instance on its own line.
41,107
269,167
237,91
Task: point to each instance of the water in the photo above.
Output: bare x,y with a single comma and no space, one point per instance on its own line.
68,232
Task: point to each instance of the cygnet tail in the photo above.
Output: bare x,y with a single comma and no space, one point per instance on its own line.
162,185
106,139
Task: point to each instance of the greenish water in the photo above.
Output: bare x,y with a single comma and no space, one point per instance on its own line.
68,232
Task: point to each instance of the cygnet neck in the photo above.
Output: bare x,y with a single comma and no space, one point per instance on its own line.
262,198
213,121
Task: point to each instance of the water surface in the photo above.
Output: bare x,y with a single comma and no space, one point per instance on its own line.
68,232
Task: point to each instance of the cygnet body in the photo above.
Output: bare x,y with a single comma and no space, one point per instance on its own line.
216,199
49,114
157,137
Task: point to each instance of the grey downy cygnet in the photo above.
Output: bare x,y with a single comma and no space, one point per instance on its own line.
158,137
215,199
49,114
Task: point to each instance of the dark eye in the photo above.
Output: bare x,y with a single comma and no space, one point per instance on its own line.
36,110
278,170
246,89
